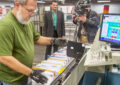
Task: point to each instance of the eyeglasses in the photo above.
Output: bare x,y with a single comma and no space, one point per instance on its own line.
29,10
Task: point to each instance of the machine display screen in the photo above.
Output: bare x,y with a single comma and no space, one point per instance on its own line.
110,29
68,17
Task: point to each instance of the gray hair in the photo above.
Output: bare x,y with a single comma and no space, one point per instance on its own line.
22,2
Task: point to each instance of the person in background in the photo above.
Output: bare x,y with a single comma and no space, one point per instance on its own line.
53,26
90,22
0,12
17,38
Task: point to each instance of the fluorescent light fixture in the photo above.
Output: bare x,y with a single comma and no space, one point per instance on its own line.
40,2
102,1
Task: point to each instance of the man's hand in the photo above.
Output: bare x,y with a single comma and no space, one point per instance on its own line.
82,18
74,18
38,77
59,41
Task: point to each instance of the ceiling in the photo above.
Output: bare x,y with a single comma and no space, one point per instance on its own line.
93,1
6,0
71,1
111,1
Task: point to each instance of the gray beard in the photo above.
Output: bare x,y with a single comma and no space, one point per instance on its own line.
20,18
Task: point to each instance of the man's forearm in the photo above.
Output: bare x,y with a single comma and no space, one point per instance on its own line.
15,65
43,41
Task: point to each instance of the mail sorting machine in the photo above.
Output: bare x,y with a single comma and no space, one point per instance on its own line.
75,69
72,69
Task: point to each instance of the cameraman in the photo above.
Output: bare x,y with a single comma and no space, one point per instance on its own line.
90,22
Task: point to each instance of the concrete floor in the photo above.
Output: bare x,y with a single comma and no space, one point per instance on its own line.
39,53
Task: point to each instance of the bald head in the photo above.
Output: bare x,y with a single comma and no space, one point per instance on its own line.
23,2
24,10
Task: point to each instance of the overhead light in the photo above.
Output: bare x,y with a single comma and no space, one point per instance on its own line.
40,2
102,1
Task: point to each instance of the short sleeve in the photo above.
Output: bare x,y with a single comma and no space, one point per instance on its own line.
36,34
6,40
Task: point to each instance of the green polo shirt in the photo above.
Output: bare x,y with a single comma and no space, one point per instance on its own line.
16,40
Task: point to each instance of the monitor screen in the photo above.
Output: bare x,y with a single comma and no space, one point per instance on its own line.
69,17
110,28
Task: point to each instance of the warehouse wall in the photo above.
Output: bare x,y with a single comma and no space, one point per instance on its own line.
113,8
6,4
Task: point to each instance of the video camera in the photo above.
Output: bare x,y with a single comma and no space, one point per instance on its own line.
80,8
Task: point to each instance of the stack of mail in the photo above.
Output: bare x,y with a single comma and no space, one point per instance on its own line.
54,65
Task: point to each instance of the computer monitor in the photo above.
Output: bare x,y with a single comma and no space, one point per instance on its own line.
110,29
68,17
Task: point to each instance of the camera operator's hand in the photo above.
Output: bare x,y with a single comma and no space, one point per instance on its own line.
74,17
38,77
82,18
59,41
